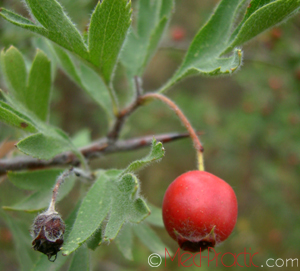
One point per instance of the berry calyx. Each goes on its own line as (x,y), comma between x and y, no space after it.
(199,210)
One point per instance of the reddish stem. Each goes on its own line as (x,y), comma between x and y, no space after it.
(197,144)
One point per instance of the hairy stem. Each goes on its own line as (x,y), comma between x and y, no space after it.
(59,182)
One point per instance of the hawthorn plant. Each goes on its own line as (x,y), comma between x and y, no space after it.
(113,207)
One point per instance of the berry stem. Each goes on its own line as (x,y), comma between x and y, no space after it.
(67,173)
(59,182)
(197,144)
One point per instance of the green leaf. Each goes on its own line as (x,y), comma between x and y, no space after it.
(14,118)
(37,93)
(66,63)
(22,22)
(156,153)
(35,180)
(107,31)
(74,44)
(43,146)
(40,199)
(124,241)
(141,44)
(44,45)
(260,16)
(126,206)
(116,194)
(59,27)
(164,9)
(150,239)
(82,138)
(110,194)
(95,87)
(32,92)
(14,68)
(154,41)
(156,216)
(81,261)
(93,209)
(203,55)
(43,264)
(26,256)
(96,239)
(87,79)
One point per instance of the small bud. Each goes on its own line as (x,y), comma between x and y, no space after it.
(47,232)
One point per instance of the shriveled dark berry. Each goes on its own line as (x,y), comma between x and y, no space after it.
(48,234)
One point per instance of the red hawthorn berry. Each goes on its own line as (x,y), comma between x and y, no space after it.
(47,232)
(199,210)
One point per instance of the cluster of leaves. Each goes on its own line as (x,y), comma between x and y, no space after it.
(90,60)
(112,201)
(100,48)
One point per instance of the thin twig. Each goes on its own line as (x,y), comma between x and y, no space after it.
(113,135)
(94,150)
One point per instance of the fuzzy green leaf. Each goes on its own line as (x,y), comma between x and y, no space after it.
(22,22)
(49,142)
(124,241)
(66,63)
(32,91)
(82,138)
(113,195)
(43,146)
(126,206)
(156,153)
(107,31)
(43,45)
(14,118)
(96,239)
(34,180)
(95,87)
(37,93)
(87,79)
(141,44)
(93,209)
(44,264)
(81,261)
(40,199)
(14,68)
(60,29)
(25,255)
(260,16)
(154,40)
(203,55)
(150,239)
(75,44)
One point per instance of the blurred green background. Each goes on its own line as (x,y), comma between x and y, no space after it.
(251,126)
